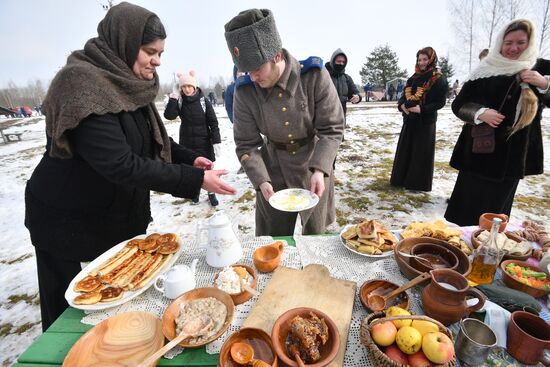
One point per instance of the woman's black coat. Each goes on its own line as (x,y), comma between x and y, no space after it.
(199,125)
(514,157)
(413,165)
(77,208)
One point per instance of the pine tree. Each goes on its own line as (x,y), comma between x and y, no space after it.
(446,68)
(381,67)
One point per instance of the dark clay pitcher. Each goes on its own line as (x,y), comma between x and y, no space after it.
(444,299)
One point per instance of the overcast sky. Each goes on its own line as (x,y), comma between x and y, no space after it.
(38,35)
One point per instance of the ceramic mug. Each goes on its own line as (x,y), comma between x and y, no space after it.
(474,342)
(528,337)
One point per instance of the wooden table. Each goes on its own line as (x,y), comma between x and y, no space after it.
(51,347)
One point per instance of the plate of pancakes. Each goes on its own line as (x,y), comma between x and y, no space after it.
(123,272)
(368,238)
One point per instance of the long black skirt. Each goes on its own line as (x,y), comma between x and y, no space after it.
(413,166)
(474,195)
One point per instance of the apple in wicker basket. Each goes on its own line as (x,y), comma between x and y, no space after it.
(395,354)
(438,347)
(384,333)
(418,359)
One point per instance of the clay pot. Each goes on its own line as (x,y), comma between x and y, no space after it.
(438,256)
(444,299)
(486,221)
(267,258)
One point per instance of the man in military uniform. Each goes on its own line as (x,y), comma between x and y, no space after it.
(294,105)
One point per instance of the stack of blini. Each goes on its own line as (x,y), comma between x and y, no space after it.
(139,261)
(369,237)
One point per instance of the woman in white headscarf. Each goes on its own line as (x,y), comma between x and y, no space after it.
(501,104)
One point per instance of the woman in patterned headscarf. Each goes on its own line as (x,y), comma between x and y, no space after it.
(425,93)
(501,106)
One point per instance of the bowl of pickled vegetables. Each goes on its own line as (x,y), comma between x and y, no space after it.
(526,278)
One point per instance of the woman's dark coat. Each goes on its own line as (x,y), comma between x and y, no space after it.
(413,165)
(79,207)
(199,125)
(514,157)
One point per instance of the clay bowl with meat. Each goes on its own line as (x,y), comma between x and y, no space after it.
(464,266)
(282,329)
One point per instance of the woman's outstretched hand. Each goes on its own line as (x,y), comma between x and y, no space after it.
(213,183)
(492,117)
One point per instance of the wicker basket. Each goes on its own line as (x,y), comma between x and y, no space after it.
(379,358)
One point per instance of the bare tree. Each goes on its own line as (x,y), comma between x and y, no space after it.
(462,15)
(515,9)
(541,13)
(495,12)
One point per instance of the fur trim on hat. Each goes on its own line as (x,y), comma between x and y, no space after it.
(187,78)
(253,45)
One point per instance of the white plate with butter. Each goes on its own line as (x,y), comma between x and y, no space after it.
(293,200)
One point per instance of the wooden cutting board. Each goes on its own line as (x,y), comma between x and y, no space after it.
(311,287)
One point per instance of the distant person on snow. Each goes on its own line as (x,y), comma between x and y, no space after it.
(345,87)
(199,126)
(212,97)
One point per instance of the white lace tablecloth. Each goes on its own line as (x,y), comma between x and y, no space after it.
(346,265)
(154,302)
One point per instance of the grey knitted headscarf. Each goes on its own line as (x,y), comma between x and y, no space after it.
(252,38)
(99,80)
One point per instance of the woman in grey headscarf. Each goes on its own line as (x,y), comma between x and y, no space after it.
(106,149)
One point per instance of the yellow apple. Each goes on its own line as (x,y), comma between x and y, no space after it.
(398,311)
(396,355)
(384,333)
(425,326)
(418,360)
(438,347)
(408,339)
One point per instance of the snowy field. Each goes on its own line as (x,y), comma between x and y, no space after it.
(362,170)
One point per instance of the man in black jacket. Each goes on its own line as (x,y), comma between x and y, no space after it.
(347,91)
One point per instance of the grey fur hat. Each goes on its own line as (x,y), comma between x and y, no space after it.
(252,38)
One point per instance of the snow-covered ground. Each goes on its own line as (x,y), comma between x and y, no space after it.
(362,190)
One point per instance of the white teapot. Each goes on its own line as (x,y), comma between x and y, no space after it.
(177,280)
(223,247)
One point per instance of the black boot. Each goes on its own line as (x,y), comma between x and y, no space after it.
(195,200)
(213,199)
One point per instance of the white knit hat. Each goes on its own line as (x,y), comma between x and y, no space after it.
(187,78)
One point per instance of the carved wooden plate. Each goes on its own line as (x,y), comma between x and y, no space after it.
(122,340)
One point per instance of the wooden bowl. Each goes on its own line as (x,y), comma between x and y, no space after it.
(126,339)
(486,221)
(438,256)
(464,267)
(243,296)
(281,329)
(507,256)
(382,287)
(515,284)
(268,257)
(173,311)
(258,339)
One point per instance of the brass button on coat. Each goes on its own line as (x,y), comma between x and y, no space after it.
(283,109)
(290,136)
(280,94)
(287,123)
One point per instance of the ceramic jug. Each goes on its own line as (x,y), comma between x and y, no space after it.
(178,280)
(223,247)
(444,299)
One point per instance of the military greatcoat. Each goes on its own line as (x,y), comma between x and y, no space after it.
(302,121)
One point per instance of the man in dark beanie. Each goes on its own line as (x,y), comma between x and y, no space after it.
(295,106)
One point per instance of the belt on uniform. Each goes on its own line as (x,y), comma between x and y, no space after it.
(291,147)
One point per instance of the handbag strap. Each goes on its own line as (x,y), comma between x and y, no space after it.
(507,93)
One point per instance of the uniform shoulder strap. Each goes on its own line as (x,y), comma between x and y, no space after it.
(243,80)
(311,63)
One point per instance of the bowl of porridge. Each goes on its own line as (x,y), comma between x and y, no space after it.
(210,302)
(232,280)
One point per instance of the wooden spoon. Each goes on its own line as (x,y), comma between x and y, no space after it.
(378,303)
(243,353)
(191,328)
(424,261)
(299,360)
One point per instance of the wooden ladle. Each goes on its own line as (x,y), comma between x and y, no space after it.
(299,360)
(424,261)
(378,303)
(191,328)
(243,353)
